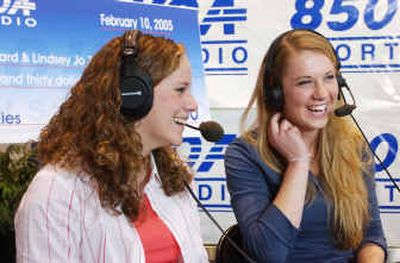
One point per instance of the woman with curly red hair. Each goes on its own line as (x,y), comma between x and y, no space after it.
(112,187)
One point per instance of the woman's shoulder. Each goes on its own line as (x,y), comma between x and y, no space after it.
(242,145)
(56,174)
(243,151)
(55,182)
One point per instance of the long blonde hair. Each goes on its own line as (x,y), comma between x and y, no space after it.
(340,144)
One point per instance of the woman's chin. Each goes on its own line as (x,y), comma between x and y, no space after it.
(176,141)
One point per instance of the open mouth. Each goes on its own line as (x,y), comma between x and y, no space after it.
(318,108)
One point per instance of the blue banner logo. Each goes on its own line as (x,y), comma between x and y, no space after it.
(18,13)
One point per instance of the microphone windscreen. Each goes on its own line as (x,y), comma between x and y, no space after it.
(344,110)
(211,131)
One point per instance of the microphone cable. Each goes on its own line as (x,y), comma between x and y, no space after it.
(392,180)
(375,154)
(233,243)
(212,131)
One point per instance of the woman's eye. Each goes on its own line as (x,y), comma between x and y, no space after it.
(180,90)
(330,77)
(304,82)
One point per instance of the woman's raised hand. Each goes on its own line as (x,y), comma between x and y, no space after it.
(286,138)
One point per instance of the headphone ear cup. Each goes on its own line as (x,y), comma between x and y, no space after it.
(135,84)
(274,98)
(136,93)
(136,87)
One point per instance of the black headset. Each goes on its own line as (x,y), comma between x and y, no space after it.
(136,87)
(273,94)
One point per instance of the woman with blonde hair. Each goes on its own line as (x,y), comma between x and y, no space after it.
(301,179)
(112,187)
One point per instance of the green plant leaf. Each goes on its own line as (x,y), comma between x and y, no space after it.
(16,171)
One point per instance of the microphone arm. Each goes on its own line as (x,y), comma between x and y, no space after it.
(188,125)
(210,130)
(344,85)
(345,109)
(375,155)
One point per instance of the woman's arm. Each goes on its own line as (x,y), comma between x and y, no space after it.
(287,140)
(269,206)
(373,247)
(291,194)
(371,253)
(267,231)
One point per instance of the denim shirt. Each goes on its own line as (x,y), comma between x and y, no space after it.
(267,232)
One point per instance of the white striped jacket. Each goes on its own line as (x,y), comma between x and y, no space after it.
(60,219)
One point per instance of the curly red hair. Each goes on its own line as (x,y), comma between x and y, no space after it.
(89,133)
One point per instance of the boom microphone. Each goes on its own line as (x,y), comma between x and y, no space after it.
(346,109)
(210,130)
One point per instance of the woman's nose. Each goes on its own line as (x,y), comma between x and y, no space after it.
(321,90)
(191,103)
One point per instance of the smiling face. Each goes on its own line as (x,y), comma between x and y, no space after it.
(310,89)
(172,100)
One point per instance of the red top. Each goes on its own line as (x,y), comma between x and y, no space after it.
(158,242)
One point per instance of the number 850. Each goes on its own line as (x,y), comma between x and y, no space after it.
(310,17)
